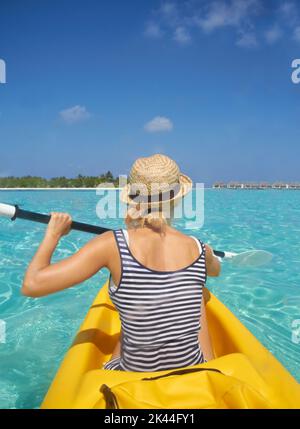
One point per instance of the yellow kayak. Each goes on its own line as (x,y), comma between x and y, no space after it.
(244,374)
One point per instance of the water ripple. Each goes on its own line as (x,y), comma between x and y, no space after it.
(266,300)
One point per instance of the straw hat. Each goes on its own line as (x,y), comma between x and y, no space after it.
(153,180)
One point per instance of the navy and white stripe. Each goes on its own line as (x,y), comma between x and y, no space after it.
(159,313)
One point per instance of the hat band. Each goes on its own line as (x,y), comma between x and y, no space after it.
(156,198)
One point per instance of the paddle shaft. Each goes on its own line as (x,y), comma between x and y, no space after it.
(43,218)
(14,212)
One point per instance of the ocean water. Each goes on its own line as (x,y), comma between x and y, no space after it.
(39,331)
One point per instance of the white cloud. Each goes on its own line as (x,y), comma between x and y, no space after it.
(179,20)
(273,34)
(74,114)
(158,124)
(165,20)
(182,36)
(153,30)
(288,9)
(222,14)
(289,12)
(168,8)
(296,35)
(169,13)
(247,40)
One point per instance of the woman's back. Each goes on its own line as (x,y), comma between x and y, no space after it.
(157,273)
(159,302)
(163,252)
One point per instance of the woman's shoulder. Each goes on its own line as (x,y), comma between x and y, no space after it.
(188,237)
(104,240)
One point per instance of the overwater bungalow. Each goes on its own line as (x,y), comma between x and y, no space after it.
(259,186)
(251,186)
(280,185)
(234,185)
(265,185)
(294,186)
(219,185)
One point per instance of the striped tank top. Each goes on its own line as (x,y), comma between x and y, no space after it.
(159,313)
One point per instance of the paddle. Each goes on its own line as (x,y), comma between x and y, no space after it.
(252,258)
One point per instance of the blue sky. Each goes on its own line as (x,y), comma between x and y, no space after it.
(92,85)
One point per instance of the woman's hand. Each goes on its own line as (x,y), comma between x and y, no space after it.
(213,266)
(59,225)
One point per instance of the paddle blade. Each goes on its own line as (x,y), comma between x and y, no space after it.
(252,258)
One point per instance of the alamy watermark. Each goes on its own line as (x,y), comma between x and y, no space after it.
(296,73)
(2,71)
(296,331)
(188,207)
(2,331)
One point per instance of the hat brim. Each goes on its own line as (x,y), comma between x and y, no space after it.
(185,182)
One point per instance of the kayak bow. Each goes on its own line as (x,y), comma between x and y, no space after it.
(237,354)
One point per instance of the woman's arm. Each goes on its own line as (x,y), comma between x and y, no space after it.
(213,265)
(43,278)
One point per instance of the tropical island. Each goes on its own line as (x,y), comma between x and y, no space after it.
(79,181)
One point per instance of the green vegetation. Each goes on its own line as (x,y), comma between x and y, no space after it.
(57,182)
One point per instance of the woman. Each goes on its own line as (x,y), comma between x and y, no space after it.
(157,273)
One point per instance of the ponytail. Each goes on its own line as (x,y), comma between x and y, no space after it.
(154,219)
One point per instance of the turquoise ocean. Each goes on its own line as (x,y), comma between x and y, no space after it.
(39,331)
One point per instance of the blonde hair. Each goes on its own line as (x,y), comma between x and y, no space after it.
(156,218)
